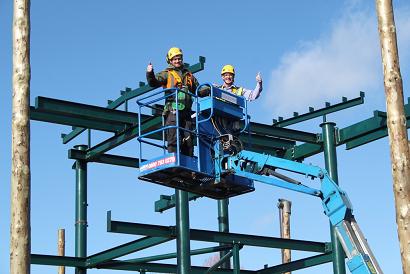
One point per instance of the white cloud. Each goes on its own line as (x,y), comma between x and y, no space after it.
(340,63)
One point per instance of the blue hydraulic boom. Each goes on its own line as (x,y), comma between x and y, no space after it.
(336,204)
(222,168)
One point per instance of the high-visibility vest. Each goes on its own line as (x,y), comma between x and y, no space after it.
(174,80)
(235,90)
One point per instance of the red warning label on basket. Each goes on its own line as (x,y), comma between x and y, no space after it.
(157,163)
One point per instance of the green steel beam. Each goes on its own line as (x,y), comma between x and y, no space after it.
(168,201)
(284,133)
(105,159)
(38,115)
(122,137)
(81,209)
(298,264)
(182,232)
(161,268)
(89,111)
(57,260)
(223,225)
(124,249)
(300,152)
(330,156)
(370,137)
(265,142)
(226,257)
(368,130)
(320,112)
(378,121)
(214,236)
(174,254)
(126,96)
(121,265)
(353,136)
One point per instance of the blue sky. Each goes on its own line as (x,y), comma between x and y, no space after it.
(308,52)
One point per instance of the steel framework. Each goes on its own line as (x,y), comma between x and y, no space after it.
(272,139)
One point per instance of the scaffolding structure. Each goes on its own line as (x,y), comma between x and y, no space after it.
(274,139)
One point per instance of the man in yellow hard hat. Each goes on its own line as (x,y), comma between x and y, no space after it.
(176,76)
(228,77)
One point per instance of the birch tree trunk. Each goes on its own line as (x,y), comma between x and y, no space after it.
(20,168)
(396,123)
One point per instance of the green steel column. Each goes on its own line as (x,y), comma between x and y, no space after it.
(81,209)
(329,148)
(182,230)
(236,263)
(223,223)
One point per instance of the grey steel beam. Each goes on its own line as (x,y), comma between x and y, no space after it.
(126,96)
(214,236)
(124,249)
(298,264)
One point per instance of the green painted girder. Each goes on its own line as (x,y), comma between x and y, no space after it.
(57,260)
(261,143)
(122,265)
(128,95)
(265,142)
(168,201)
(214,236)
(298,264)
(353,136)
(162,268)
(77,114)
(319,112)
(124,249)
(300,152)
(221,261)
(284,133)
(55,118)
(368,130)
(174,254)
(104,158)
(149,124)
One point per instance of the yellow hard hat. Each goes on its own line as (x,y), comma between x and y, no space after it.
(173,52)
(228,68)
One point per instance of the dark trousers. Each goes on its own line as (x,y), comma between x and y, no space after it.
(186,144)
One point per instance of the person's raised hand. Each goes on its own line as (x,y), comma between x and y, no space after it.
(150,67)
(258,77)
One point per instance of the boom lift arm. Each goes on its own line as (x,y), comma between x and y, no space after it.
(336,204)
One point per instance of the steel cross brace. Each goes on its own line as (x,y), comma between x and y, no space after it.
(124,249)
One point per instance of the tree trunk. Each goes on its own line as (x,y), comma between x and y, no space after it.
(396,123)
(20,168)
(284,218)
(61,248)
